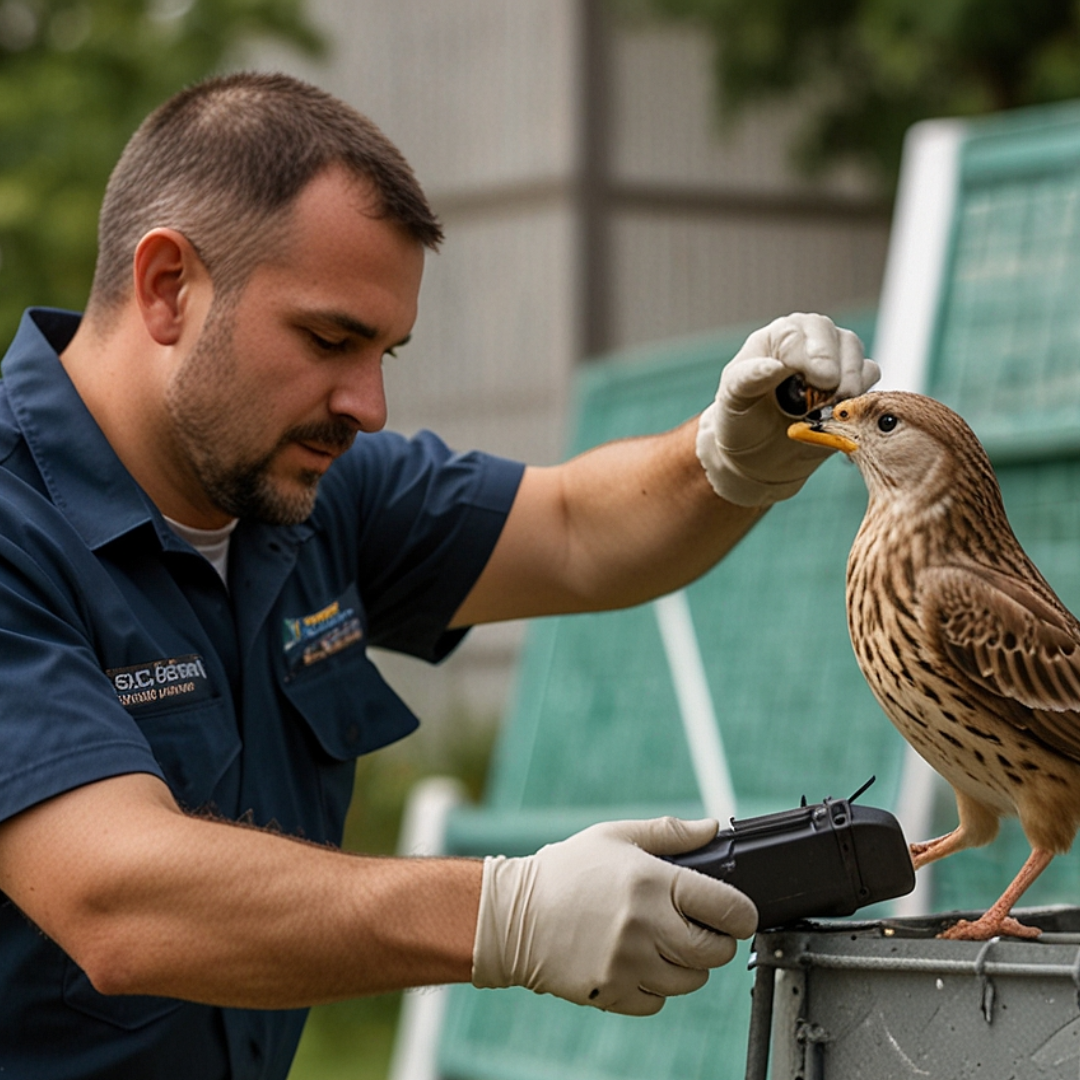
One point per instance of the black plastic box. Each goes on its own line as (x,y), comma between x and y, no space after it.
(827,859)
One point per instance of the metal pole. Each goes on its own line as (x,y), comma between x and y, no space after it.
(594,180)
(761,1013)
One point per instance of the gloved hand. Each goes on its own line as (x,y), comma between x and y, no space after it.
(599,920)
(742,436)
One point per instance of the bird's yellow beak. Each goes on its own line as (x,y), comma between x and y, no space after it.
(808,433)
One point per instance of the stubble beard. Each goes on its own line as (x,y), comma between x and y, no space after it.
(213,428)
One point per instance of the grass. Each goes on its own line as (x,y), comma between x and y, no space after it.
(353,1040)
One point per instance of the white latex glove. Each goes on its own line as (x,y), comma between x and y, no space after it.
(742,436)
(598,920)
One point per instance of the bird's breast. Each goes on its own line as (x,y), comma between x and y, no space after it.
(933,710)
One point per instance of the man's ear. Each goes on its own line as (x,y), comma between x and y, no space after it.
(166,271)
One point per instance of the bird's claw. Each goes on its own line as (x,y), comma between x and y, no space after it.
(983,929)
(922,851)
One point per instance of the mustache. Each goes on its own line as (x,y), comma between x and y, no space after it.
(334,435)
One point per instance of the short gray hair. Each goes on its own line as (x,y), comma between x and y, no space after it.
(223,161)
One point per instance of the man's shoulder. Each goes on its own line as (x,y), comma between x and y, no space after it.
(31,362)
(28,517)
(37,538)
(380,463)
(388,468)
(10,435)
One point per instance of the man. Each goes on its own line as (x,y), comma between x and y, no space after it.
(200,534)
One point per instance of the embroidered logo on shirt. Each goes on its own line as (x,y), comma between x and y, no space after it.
(311,638)
(177,679)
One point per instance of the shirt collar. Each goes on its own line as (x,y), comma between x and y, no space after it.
(86,480)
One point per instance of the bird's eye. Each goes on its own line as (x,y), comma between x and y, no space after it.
(886,422)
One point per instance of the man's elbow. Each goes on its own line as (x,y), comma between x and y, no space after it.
(115,957)
(112,971)
(97,918)
(89,868)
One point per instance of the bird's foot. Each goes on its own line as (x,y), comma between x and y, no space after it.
(985,928)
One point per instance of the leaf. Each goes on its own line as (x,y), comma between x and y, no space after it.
(76,79)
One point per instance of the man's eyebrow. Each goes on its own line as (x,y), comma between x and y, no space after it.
(348,324)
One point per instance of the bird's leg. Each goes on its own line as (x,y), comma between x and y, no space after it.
(927,851)
(978,826)
(997,920)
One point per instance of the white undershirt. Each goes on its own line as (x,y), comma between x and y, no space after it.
(212,544)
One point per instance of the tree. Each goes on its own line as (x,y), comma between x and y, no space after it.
(868,69)
(76,79)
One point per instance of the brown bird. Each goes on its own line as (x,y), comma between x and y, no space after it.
(964,644)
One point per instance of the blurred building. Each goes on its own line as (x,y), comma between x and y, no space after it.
(592,203)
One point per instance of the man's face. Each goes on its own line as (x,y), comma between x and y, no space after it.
(288,370)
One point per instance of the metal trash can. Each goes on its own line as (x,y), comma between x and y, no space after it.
(840,1000)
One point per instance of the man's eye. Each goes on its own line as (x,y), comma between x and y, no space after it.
(326,344)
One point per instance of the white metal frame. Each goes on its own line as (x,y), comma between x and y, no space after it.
(907,313)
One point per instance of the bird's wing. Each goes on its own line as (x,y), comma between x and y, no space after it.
(1012,643)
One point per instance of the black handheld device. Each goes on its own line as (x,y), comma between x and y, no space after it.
(827,859)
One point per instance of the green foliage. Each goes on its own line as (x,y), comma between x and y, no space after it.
(868,69)
(349,1040)
(76,78)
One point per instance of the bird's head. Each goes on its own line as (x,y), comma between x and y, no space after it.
(902,443)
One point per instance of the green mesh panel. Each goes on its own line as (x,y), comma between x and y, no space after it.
(796,713)
(596,720)
(1007,352)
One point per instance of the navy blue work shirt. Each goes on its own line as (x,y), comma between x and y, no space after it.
(122,651)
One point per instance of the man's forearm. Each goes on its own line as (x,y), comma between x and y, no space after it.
(615,526)
(659,528)
(158,902)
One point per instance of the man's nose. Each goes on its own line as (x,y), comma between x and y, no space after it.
(360,395)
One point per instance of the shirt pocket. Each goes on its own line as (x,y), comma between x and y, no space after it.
(195,745)
(348,706)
